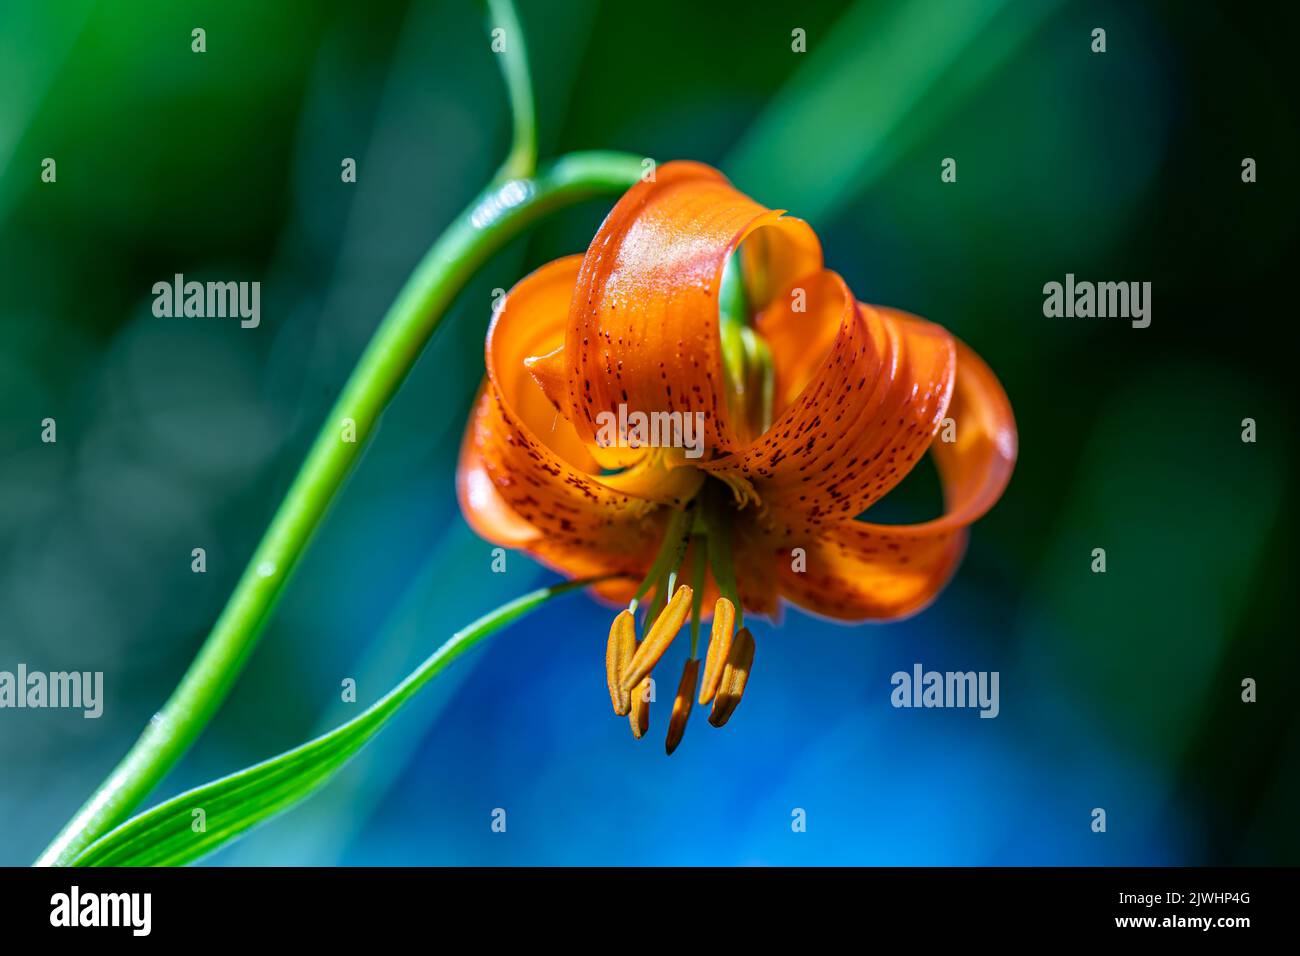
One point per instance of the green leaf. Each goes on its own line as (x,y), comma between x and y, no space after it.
(170,834)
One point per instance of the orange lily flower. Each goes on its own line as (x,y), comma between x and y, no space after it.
(810,407)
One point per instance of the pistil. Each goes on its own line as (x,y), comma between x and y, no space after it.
(746,357)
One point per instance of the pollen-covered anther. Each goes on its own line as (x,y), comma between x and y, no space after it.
(735,675)
(682,705)
(724,619)
(639,714)
(618,654)
(657,639)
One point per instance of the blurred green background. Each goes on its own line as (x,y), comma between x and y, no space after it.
(1119,690)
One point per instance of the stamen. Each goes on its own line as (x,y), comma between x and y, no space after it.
(724,572)
(735,675)
(661,634)
(652,610)
(682,705)
(639,714)
(742,490)
(724,619)
(671,550)
(618,654)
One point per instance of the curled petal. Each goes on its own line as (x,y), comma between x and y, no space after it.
(856,572)
(484,508)
(977,465)
(525,479)
(865,571)
(862,419)
(644,321)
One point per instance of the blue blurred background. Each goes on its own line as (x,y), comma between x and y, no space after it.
(1119,691)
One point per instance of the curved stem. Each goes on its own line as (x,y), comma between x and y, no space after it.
(496,216)
(513,52)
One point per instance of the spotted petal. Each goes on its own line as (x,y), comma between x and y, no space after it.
(525,478)
(644,325)
(865,571)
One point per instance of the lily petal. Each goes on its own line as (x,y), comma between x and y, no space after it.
(861,421)
(858,573)
(864,571)
(525,478)
(644,325)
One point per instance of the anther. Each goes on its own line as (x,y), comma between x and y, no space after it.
(734,677)
(724,619)
(682,705)
(660,635)
(618,654)
(639,714)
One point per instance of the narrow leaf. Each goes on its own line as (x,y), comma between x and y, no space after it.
(195,823)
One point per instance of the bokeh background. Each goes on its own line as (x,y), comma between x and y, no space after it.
(1119,691)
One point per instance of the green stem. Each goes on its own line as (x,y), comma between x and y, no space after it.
(497,215)
(522,160)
